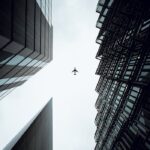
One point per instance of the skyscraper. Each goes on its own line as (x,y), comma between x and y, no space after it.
(26,35)
(37,134)
(123,103)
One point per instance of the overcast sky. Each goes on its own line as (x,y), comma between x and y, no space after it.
(73,96)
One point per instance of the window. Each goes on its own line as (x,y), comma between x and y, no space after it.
(17,59)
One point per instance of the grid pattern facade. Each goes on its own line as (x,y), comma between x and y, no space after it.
(123,103)
(25,40)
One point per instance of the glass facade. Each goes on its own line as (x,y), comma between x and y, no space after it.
(26,34)
(123,103)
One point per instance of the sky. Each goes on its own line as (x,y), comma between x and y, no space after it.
(73,96)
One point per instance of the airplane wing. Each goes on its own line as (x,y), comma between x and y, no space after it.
(75,70)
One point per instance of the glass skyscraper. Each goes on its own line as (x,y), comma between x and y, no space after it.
(123,103)
(26,35)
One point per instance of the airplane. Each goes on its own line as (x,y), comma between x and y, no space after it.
(75,71)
